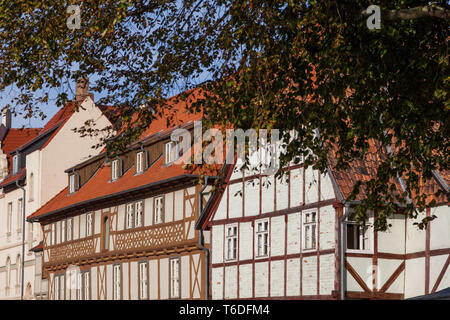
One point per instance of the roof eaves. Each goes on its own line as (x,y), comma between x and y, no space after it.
(79,205)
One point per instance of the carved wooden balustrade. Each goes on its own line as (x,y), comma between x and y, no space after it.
(151,237)
(72,250)
(157,236)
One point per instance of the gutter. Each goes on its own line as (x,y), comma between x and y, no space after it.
(201,239)
(23,239)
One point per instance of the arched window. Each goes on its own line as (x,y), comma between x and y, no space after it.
(31,187)
(8,276)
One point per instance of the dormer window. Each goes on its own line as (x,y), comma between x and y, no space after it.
(72,183)
(16,164)
(115,169)
(171,152)
(140,162)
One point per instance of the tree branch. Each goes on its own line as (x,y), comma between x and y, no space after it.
(413,13)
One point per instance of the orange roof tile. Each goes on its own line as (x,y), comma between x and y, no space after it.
(16,137)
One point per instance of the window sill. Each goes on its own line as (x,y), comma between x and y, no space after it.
(358,251)
(309,250)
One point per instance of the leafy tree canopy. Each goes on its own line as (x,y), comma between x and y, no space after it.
(313,66)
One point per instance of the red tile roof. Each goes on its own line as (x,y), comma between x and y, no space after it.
(11,178)
(99,185)
(15,138)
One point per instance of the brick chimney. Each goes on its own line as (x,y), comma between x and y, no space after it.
(82,89)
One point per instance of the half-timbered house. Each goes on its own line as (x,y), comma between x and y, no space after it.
(283,238)
(124,227)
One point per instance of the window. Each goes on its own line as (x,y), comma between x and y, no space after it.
(117,282)
(231,242)
(63,230)
(139,213)
(359,235)
(262,238)
(175,278)
(31,188)
(53,236)
(89,224)
(171,152)
(106,233)
(72,183)
(9,218)
(134,214)
(158,209)
(15,164)
(130,215)
(143,280)
(140,162)
(19,215)
(59,287)
(84,286)
(309,230)
(115,167)
(69,230)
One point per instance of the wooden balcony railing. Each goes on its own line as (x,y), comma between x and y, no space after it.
(150,237)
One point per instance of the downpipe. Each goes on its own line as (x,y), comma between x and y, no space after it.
(201,238)
(23,239)
(342,246)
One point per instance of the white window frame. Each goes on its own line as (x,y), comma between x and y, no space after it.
(72,183)
(130,215)
(69,229)
(309,230)
(262,238)
(139,214)
(140,162)
(15,164)
(115,169)
(175,277)
(117,282)
(89,224)
(231,242)
(158,210)
(171,152)
(53,234)
(143,280)
(369,225)
(63,231)
(86,279)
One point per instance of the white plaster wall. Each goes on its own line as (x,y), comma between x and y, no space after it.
(293,277)
(231,282)
(245,241)
(296,187)
(277,278)
(252,188)
(235,201)
(268,194)
(185,280)
(261,279)
(217,244)
(277,236)
(327,228)
(440,228)
(282,193)
(217,283)
(414,277)
(293,230)
(393,239)
(164,278)
(67,148)
(245,281)
(309,279)
(327,272)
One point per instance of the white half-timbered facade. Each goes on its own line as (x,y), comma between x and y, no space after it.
(280,239)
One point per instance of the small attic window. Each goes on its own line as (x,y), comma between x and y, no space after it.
(140,162)
(16,164)
(115,169)
(171,152)
(72,183)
